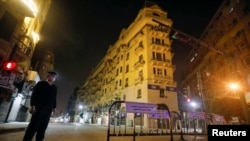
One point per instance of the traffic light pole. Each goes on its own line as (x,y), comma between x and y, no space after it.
(187,38)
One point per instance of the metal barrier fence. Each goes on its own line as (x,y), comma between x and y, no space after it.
(142,119)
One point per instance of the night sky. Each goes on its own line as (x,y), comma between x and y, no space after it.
(79,33)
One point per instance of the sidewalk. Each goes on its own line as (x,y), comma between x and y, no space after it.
(12,127)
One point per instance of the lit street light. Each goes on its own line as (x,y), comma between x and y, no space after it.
(81,113)
(194,104)
(80,107)
(236,87)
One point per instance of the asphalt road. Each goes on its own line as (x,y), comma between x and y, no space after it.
(85,132)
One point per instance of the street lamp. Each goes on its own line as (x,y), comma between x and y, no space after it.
(81,108)
(236,87)
(81,113)
(193,104)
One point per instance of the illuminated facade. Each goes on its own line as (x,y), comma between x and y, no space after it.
(21,22)
(137,67)
(209,71)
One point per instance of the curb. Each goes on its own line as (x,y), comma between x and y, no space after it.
(3,131)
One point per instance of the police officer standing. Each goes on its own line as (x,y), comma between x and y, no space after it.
(42,106)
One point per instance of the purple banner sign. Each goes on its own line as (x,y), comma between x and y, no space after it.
(218,118)
(135,107)
(196,115)
(159,115)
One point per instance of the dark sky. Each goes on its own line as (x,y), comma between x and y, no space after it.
(80,31)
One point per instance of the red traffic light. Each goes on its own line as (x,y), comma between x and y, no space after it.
(188,100)
(9,65)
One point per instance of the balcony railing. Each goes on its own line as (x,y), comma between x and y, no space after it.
(160,46)
(140,63)
(23,49)
(160,62)
(139,49)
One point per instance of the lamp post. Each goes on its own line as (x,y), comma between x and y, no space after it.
(80,107)
(81,113)
(236,87)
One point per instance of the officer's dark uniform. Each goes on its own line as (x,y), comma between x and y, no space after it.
(44,100)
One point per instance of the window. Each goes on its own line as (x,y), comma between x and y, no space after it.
(127,68)
(120,69)
(140,58)
(140,73)
(118,59)
(120,82)
(116,84)
(153,53)
(117,72)
(127,56)
(140,44)
(161,92)
(159,72)
(156,41)
(138,93)
(158,56)
(7,25)
(165,72)
(126,82)
(155,14)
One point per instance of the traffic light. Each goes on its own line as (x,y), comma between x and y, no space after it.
(9,65)
(188,100)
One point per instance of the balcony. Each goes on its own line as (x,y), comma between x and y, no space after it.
(161,62)
(138,49)
(138,80)
(22,49)
(28,9)
(139,63)
(160,47)
(161,79)
(159,31)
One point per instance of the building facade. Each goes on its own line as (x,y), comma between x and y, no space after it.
(137,67)
(221,56)
(21,22)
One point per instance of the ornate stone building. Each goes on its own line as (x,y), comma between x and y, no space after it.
(137,67)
